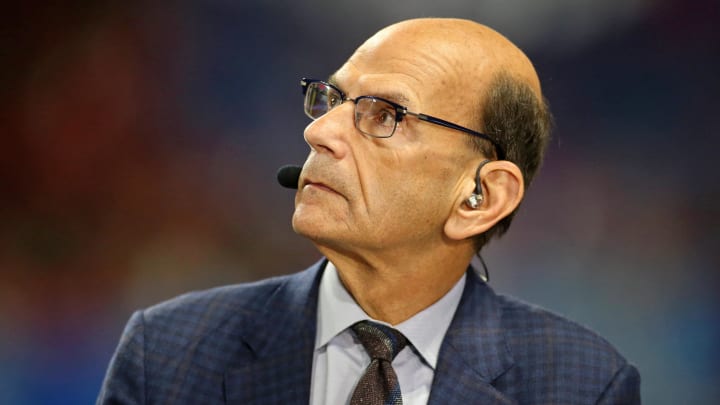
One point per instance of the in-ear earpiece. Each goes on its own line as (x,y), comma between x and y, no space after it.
(474,201)
(476,198)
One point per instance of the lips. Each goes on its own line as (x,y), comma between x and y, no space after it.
(319,185)
(308,183)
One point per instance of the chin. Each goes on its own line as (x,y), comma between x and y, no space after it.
(317,219)
(308,226)
(318,230)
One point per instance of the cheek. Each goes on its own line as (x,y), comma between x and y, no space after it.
(411,198)
(404,176)
(382,188)
(433,186)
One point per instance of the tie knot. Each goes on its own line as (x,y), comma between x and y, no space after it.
(379,341)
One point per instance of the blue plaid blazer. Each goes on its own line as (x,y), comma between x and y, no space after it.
(253,344)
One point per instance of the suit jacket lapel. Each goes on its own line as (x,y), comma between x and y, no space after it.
(282,341)
(474,352)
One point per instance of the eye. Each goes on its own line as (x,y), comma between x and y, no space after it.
(334,100)
(385,117)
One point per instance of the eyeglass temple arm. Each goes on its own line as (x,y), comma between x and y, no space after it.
(448,124)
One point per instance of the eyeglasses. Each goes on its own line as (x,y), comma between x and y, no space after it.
(374,116)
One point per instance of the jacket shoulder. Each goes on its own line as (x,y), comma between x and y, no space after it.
(556,355)
(179,350)
(212,312)
(529,327)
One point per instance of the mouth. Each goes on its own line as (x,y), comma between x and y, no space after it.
(318,185)
(309,184)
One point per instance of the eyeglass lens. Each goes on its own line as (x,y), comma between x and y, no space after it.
(373,116)
(319,99)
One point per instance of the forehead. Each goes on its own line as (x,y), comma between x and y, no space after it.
(411,71)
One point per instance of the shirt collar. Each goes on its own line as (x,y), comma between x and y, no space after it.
(337,310)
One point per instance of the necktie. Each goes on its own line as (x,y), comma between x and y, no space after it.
(379,385)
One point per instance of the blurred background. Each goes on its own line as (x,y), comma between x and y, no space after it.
(139,143)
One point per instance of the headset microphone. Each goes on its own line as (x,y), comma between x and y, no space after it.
(289,175)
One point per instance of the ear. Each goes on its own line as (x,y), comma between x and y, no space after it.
(503,189)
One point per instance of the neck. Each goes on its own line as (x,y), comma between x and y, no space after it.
(393,289)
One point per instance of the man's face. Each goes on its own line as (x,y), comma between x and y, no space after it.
(359,193)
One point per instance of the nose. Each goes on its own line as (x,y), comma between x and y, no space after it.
(330,133)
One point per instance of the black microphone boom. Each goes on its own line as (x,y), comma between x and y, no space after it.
(289,175)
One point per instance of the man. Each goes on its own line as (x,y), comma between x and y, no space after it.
(421,148)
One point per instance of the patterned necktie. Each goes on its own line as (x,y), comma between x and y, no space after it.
(379,385)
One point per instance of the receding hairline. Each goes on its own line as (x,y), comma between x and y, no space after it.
(477,39)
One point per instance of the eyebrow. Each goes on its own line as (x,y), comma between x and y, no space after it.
(392,96)
(332,80)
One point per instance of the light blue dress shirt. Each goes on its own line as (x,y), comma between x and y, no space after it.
(340,360)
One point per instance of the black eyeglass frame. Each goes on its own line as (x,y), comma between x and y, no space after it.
(400,112)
